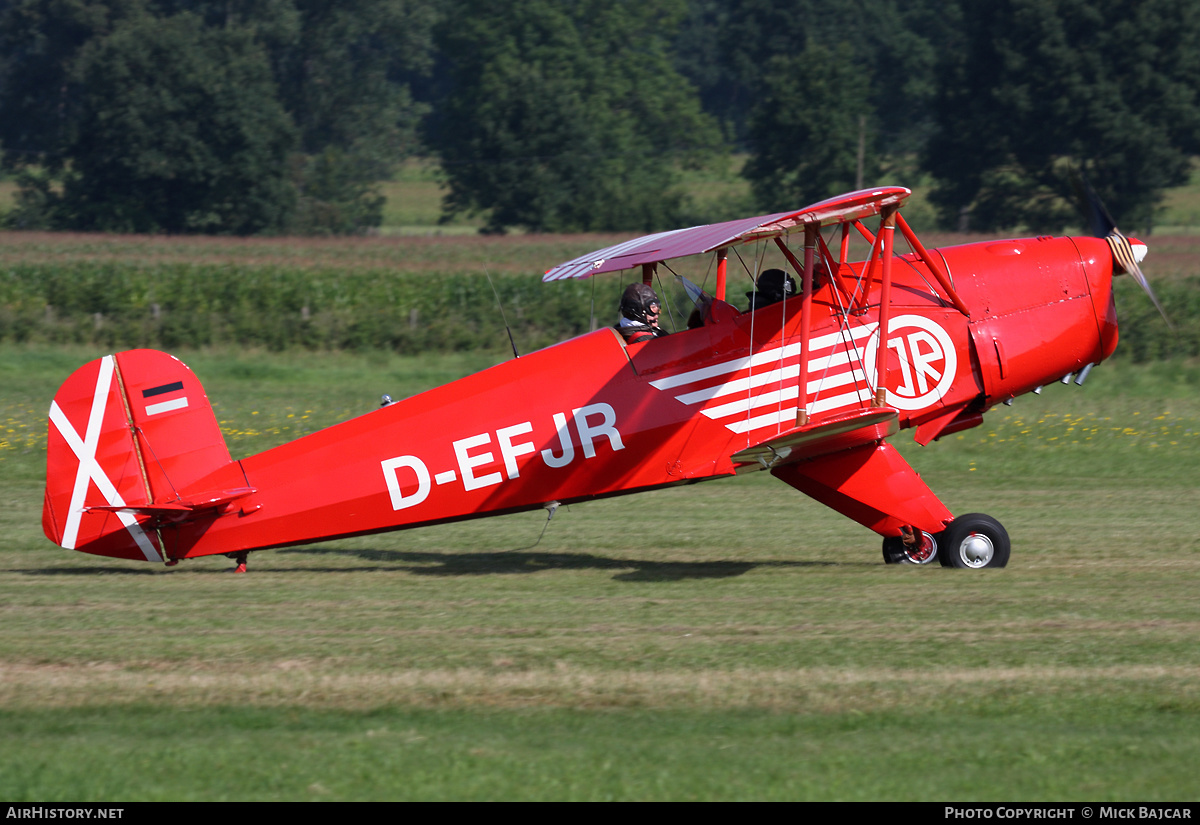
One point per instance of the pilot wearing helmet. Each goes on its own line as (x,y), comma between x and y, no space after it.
(774,285)
(639,314)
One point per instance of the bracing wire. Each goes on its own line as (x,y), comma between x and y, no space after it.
(753,316)
(751,272)
(666,300)
(913,267)
(667,267)
(782,350)
(750,374)
(503,317)
(847,338)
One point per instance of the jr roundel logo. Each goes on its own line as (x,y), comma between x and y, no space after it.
(924,357)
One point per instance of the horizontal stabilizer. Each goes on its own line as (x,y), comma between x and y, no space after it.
(840,432)
(177,510)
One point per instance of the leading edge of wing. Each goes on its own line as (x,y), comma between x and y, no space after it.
(695,240)
(838,432)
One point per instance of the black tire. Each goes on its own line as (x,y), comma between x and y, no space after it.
(894,551)
(974,542)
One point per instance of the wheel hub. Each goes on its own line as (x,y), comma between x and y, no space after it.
(923,549)
(976,550)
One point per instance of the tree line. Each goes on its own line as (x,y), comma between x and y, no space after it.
(282,116)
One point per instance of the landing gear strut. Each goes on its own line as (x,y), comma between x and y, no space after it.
(240,558)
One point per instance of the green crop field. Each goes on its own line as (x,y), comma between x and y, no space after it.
(731,640)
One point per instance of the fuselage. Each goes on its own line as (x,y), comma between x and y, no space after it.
(594,417)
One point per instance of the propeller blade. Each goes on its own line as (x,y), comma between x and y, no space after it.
(1100,222)
(1103,226)
(1123,255)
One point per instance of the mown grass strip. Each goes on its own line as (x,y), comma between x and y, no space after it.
(1128,748)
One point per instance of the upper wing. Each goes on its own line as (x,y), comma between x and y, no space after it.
(695,240)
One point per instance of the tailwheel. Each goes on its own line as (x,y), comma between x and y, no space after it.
(240,558)
(975,541)
(922,550)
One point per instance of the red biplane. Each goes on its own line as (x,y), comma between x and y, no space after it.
(806,389)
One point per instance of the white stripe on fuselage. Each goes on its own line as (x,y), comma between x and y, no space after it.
(829,368)
(788,414)
(764,357)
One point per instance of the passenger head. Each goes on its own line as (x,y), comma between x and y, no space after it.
(775,285)
(640,304)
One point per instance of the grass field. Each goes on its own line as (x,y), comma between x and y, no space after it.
(731,640)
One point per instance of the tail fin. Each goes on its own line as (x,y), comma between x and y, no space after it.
(133,444)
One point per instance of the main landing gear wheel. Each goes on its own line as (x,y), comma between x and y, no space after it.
(974,541)
(923,551)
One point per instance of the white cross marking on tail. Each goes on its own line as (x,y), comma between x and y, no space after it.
(90,470)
